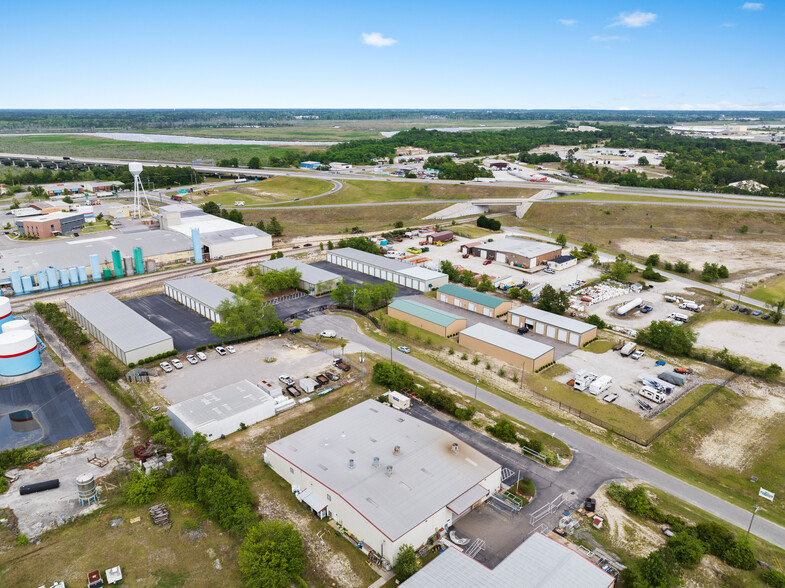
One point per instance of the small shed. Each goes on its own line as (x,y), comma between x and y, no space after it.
(562,262)
(440,237)
(308,385)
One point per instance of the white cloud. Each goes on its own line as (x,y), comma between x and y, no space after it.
(607,39)
(634,20)
(568,22)
(752,6)
(377,40)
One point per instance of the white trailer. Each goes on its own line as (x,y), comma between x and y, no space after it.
(600,385)
(652,394)
(628,349)
(583,380)
(308,385)
(399,401)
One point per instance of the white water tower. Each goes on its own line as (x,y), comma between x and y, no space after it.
(136,169)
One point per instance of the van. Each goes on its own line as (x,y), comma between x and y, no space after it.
(600,385)
(652,394)
(583,380)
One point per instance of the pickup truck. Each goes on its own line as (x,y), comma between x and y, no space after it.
(341,365)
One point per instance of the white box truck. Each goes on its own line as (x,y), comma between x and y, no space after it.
(600,385)
(652,394)
(583,380)
(628,349)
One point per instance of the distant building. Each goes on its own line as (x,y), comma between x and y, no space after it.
(337,165)
(517,252)
(499,165)
(440,237)
(552,325)
(562,262)
(390,479)
(51,225)
(310,164)
(539,561)
(199,295)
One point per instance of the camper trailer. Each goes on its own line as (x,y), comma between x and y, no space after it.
(583,380)
(652,394)
(628,349)
(600,385)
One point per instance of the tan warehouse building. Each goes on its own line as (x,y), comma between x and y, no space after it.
(474,301)
(552,325)
(425,317)
(510,348)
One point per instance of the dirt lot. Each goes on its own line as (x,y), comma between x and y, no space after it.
(624,371)
(762,343)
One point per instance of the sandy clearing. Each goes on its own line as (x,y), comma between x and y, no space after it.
(763,343)
(736,254)
(624,531)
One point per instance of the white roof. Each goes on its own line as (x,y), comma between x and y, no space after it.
(194,217)
(392,265)
(201,290)
(308,273)
(426,477)
(522,247)
(507,340)
(550,318)
(422,273)
(539,562)
(123,326)
(220,404)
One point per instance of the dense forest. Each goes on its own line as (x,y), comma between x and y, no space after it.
(94,120)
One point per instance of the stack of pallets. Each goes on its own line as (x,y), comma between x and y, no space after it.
(159,514)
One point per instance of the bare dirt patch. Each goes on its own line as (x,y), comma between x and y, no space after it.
(736,254)
(738,444)
(624,532)
(762,343)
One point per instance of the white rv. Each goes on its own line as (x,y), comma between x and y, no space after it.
(583,380)
(652,394)
(600,385)
(628,349)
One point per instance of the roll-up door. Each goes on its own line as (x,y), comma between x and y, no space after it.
(472,307)
(540,329)
(574,339)
(551,331)
(516,320)
(487,312)
(563,335)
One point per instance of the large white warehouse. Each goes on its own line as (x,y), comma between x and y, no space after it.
(398,272)
(222,411)
(389,478)
(125,333)
(199,295)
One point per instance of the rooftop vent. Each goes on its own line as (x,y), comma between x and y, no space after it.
(397,450)
(376,462)
(389,471)
(454,448)
(351,464)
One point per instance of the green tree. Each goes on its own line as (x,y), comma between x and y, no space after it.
(468,279)
(448,268)
(620,268)
(226,499)
(773,578)
(681,267)
(667,337)
(561,239)
(68,200)
(485,284)
(398,224)
(273,282)
(552,301)
(255,163)
(488,223)
(710,272)
(274,227)
(526,295)
(514,293)
(740,555)
(271,555)
(39,193)
(211,207)
(643,160)
(776,316)
(588,249)
(504,430)
(722,272)
(743,229)
(597,321)
(407,563)
(653,260)
(260,225)
(360,243)
(687,548)
(106,369)
(141,489)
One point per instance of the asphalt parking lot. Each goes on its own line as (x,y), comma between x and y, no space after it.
(54,406)
(187,328)
(248,363)
(358,278)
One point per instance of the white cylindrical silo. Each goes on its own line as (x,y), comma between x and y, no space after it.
(5,310)
(18,353)
(18,324)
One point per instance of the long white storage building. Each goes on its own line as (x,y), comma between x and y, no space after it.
(313,280)
(222,411)
(126,334)
(552,325)
(389,478)
(199,295)
(398,272)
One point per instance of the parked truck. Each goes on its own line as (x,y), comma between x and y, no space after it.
(628,349)
(652,394)
(583,380)
(600,385)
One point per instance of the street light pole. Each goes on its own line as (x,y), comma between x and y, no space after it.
(391,357)
(476,381)
(362,370)
(752,519)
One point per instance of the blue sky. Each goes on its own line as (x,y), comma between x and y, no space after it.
(693,54)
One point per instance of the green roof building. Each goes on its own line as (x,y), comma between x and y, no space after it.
(433,320)
(479,302)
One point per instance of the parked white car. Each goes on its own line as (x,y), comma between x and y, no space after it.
(191,359)
(177,363)
(230,349)
(328,334)
(220,350)
(166,367)
(201,356)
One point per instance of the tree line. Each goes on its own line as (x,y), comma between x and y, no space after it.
(161,177)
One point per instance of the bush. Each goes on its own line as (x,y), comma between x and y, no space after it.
(532,444)
(595,320)
(716,538)
(667,337)
(271,555)
(141,489)
(773,578)
(740,555)
(687,548)
(21,539)
(504,430)
(681,267)
(68,329)
(395,377)
(489,223)
(407,563)
(105,368)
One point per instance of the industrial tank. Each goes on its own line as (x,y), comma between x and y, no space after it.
(85,487)
(18,353)
(19,324)
(5,310)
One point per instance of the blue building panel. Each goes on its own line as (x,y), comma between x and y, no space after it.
(23,363)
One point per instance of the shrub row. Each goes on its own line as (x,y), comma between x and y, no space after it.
(545,367)
(171,353)
(68,329)
(506,431)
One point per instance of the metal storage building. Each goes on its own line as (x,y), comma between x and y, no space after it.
(398,272)
(474,301)
(511,348)
(127,335)
(439,237)
(313,280)
(517,252)
(562,262)
(426,317)
(222,411)
(539,561)
(552,325)
(389,478)
(199,295)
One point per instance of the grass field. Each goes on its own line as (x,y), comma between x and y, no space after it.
(602,224)
(274,189)
(622,198)
(361,191)
(472,231)
(771,294)
(78,146)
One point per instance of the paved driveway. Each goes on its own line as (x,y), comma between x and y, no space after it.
(187,328)
(358,278)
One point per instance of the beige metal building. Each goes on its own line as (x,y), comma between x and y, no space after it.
(426,317)
(199,295)
(521,253)
(552,325)
(510,348)
(474,301)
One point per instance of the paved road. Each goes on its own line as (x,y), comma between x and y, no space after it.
(592,455)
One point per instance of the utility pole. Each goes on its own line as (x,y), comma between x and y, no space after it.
(391,351)
(362,370)
(476,381)
(757,507)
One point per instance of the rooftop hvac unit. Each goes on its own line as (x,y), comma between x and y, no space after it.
(376,462)
(389,471)
(351,464)
(397,450)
